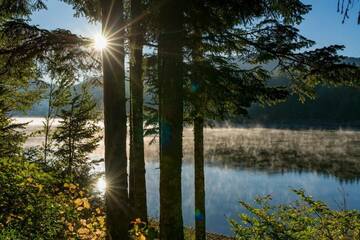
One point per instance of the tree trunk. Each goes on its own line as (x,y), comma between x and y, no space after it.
(199,100)
(137,163)
(131,160)
(117,206)
(47,122)
(200,220)
(170,118)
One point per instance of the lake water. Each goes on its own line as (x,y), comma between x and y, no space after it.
(242,164)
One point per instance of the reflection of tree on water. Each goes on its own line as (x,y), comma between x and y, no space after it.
(334,153)
(285,161)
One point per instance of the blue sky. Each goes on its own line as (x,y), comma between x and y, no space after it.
(322,24)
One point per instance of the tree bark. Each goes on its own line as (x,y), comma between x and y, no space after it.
(116,197)
(170,118)
(137,163)
(200,217)
(199,101)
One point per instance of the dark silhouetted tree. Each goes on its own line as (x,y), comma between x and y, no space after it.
(137,184)
(170,70)
(117,202)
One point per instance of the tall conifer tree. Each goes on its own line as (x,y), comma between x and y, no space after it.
(170,74)
(117,204)
(137,186)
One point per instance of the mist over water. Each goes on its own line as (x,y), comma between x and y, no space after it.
(242,164)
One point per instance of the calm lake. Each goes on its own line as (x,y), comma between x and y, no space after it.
(243,163)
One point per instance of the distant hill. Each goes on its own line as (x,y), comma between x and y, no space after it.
(332,106)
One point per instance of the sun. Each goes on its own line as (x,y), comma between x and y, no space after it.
(100,42)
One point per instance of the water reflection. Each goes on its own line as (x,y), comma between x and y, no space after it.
(226,186)
(244,163)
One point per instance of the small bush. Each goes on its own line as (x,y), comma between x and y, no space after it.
(303,219)
(143,231)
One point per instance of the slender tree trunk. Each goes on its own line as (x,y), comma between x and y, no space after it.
(171,118)
(200,218)
(48,121)
(137,163)
(46,140)
(117,206)
(71,149)
(131,159)
(199,100)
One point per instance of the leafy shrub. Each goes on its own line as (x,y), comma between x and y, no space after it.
(36,205)
(301,220)
(143,231)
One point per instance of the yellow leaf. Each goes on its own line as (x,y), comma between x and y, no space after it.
(83,222)
(98,211)
(78,202)
(86,203)
(142,237)
(83,231)
(101,220)
(89,226)
(70,227)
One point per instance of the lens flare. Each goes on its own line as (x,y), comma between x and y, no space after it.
(101,185)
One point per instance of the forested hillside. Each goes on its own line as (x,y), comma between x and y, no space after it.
(332,107)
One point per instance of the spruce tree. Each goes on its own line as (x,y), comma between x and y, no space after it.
(57,94)
(115,119)
(76,136)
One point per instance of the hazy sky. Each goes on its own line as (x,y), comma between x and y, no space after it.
(322,24)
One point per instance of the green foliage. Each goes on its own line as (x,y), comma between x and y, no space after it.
(87,8)
(17,93)
(11,138)
(58,53)
(57,97)
(301,220)
(37,205)
(344,7)
(77,135)
(19,8)
(25,204)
